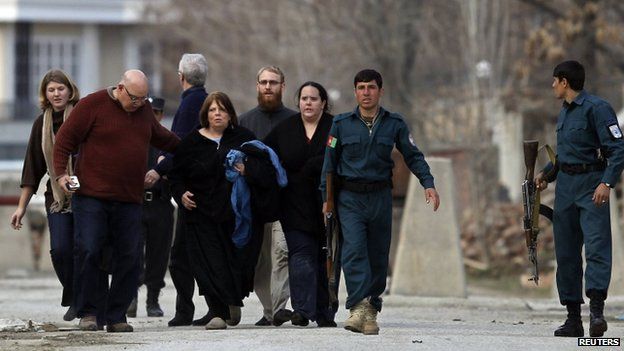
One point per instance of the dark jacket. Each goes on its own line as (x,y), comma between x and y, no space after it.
(186,120)
(198,168)
(261,122)
(35,166)
(300,200)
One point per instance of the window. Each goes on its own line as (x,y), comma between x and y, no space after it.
(149,63)
(53,52)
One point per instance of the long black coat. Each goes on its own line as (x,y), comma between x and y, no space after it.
(198,168)
(300,200)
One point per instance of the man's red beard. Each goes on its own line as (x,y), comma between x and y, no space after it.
(270,102)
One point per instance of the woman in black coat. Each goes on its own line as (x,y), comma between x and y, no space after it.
(299,141)
(199,186)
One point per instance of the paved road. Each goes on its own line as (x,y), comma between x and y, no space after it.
(407,323)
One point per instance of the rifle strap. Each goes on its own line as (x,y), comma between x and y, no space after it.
(551,154)
(536,208)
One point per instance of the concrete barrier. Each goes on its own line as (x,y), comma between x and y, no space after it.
(617,272)
(429,259)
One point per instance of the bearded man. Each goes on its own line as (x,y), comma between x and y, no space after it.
(271,276)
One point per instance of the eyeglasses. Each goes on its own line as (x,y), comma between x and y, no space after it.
(269,82)
(135,99)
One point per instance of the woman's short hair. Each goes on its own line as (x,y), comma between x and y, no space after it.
(57,76)
(321,90)
(224,102)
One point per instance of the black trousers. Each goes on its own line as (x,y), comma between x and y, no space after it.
(307,274)
(157,234)
(182,272)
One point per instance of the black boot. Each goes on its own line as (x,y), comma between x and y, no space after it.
(573,326)
(282,316)
(204,320)
(70,315)
(297,319)
(151,305)
(597,322)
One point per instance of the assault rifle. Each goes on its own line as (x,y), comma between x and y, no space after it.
(531,202)
(332,240)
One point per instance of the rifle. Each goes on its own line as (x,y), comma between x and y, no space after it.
(531,203)
(332,240)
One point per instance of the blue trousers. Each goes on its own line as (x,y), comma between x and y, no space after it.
(366,222)
(307,277)
(577,222)
(61,227)
(99,223)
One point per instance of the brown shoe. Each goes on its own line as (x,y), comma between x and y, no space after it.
(88,323)
(119,328)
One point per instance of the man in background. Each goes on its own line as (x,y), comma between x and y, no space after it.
(157,232)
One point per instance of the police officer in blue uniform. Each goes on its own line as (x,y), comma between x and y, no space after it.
(590,158)
(358,152)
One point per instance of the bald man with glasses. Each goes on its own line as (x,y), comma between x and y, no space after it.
(113,129)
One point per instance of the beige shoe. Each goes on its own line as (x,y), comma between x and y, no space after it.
(355,322)
(370,324)
(88,323)
(216,323)
(235,316)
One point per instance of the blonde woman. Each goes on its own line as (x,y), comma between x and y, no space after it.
(57,96)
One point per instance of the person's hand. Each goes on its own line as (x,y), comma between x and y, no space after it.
(540,182)
(432,195)
(151,177)
(601,195)
(187,202)
(63,181)
(240,167)
(16,218)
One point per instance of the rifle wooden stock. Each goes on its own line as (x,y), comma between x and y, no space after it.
(530,158)
(329,182)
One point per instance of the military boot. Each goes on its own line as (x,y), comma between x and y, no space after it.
(370,322)
(573,326)
(355,322)
(597,322)
(151,304)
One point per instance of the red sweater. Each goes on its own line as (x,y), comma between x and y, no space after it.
(113,147)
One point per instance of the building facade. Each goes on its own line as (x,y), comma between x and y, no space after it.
(92,40)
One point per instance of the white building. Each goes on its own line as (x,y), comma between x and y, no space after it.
(92,40)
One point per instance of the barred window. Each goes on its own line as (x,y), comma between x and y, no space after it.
(53,52)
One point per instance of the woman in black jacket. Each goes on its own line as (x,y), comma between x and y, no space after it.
(299,141)
(199,186)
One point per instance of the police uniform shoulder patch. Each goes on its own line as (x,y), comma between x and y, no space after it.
(615,131)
